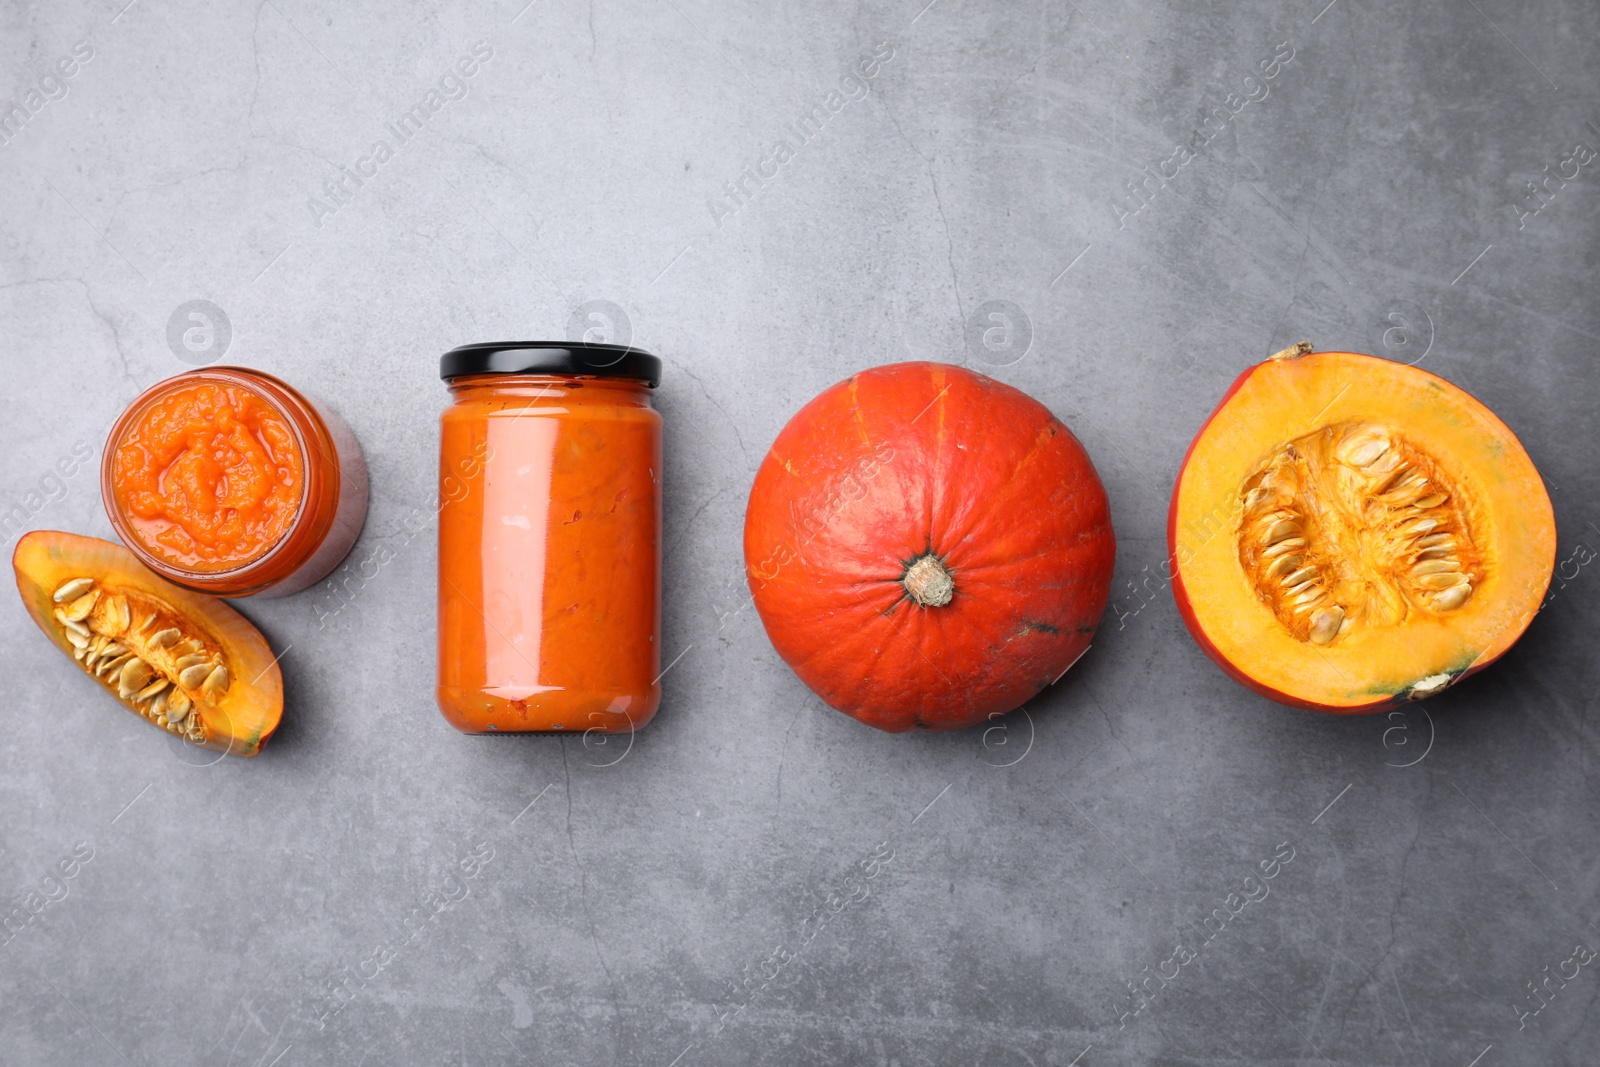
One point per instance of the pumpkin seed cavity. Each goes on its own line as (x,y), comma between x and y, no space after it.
(137,647)
(1352,525)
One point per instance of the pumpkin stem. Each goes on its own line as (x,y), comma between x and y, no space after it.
(1294,351)
(928,582)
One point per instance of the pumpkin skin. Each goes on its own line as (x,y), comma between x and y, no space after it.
(927,547)
(1493,510)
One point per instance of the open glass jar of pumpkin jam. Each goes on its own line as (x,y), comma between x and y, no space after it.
(549,539)
(230,482)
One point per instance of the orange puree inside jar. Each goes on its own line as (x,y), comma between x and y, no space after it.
(550,555)
(209,476)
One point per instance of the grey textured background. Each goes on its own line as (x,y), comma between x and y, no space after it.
(651,890)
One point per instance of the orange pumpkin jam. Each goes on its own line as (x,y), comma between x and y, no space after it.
(209,477)
(550,539)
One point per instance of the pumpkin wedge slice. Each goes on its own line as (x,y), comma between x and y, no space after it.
(1347,533)
(184,661)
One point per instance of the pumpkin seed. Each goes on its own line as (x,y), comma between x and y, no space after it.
(73,589)
(71,625)
(1282,565)
(163,638)
(1281,530)
(177,715)
(185,662)
(116,616)
(1441,581)
(79,609)
(1413,480)
(1452,598)
(1434,566)
(195,676)
(1326,624)
(157,706)
(1432,500)
(1388,463)
(217,683)
(1300,575)
(178,702)
(1281,547)
(1363,453)
(151,690)
(134,676)
(1395,477)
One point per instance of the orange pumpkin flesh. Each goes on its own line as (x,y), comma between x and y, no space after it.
(927,547)
(182,660)
(1347,533)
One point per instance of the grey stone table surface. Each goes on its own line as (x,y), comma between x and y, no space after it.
(1149,196)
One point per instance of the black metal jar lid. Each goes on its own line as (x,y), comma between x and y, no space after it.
(552,357)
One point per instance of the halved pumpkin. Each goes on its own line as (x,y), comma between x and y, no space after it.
(1348,532)
(182,660)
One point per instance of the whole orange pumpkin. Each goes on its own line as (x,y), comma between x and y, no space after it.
(927,547)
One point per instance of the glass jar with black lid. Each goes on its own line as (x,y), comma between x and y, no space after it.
(550,538)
